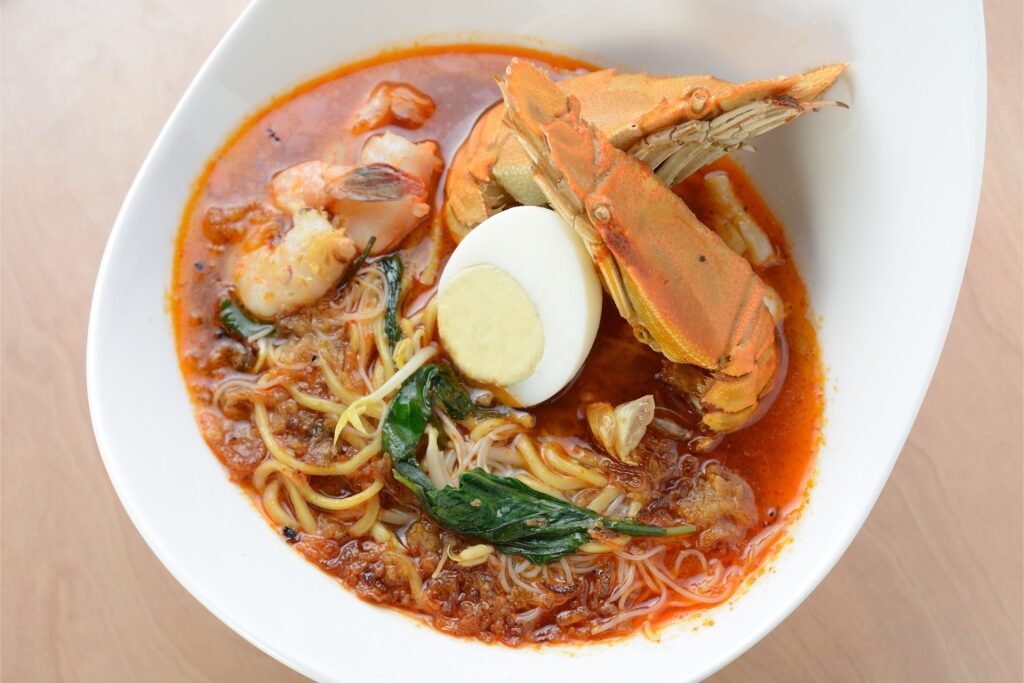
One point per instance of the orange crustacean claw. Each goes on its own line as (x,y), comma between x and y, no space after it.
(674,124)
(682,289)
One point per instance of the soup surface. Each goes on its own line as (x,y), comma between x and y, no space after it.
(269,407)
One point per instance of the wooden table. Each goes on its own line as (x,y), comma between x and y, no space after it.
(930,590)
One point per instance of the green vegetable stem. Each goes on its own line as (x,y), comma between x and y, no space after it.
(354,267)
(392,268)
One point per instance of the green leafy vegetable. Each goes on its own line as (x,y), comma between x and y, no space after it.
(354,267)
(502,511)
(409,413)
(235,319)
(392,269)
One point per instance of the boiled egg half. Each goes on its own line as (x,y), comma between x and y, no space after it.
(519,303)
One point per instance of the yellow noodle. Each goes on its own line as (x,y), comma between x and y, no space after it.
(605,498)
(619,508)
(552,453)
(429,319)
(599,548)
(538,485)
(484,426)
(533,462)
(306,492)
(382,534)
(368,518)
(397,517)
(302,511)
(263,472)
(329,502)
(360,458)
(281,454)
(261,359)
(373,410)
(521,418)
(524,419)
(383,348)
(314,402)
(504,455)
(273,508)
(340,391)
(354,438)
(349,435)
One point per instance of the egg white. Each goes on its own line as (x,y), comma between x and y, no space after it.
(550,262)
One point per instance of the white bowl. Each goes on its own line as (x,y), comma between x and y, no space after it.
(878,201)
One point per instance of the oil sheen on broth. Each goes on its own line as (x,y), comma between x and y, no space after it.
(741,494)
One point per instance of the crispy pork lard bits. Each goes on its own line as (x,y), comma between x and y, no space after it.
(721,505)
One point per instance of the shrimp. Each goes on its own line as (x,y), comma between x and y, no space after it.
(383,196)
(397,103)
(274,279)
(391,221)
(402,171)
(304,185)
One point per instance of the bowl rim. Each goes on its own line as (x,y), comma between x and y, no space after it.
(818,573)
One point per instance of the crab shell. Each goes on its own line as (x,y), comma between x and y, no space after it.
(674,124)
(682,289)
